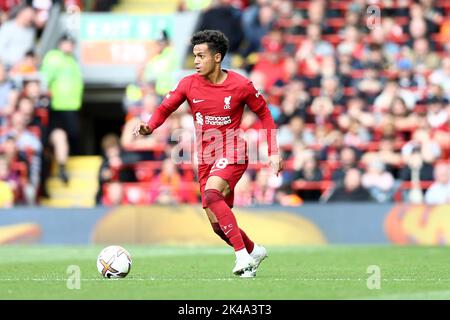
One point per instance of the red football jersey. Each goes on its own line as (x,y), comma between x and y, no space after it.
(217,112)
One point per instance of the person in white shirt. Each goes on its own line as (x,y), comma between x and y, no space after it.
(17,36)
(439,191)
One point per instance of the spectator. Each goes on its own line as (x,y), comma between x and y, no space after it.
(416,168)
(113,194)
(272,64)
(114,164)
(14,157)
(32,90)
(29,144)
(356,111)
(257,21)
(295,131)
(28,66)
(294,102)
(309,172)
(432,13)
(422,143)
(265,187)
(387,154)
(25,139)
(346,64)
(386,39)
(437,115)
(8,96)
(352,42)
(161,68)
(357,135)
(439,191)
(17,37)
(378,181)
(351,190)
(142,145)
(311,50)
(167,186)
(65,82)
(407,78)
(6,8)
(322,109)
(226,18)
(317,11)
(420,55)
(391,91)
(348,160)
(331,88)
(354,15)
(417,28)
(244,189)
(42,9)
(288,12)
(403,118)
(441,77)
(9,176)
(332,145)
(371,84)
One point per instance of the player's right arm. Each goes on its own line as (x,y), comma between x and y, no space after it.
(170,103)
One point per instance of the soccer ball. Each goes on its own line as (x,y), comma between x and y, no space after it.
(114,262)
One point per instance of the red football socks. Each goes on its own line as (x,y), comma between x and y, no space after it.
(227,221)
(249,244)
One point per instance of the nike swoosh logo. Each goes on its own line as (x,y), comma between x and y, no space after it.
(226,233)
(197,101)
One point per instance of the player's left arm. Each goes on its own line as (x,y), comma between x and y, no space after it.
(258,105)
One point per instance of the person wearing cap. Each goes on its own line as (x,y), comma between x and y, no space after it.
(62,74)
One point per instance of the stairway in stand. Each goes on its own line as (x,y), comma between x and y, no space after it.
(82,187)
(146,6)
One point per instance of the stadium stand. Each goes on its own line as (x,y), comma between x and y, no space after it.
(347,89)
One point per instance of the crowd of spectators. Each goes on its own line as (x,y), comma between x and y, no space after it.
(32,91)
(361,101)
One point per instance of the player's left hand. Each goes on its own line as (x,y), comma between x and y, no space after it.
(276,163)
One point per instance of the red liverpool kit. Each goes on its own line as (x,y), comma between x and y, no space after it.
(217,112)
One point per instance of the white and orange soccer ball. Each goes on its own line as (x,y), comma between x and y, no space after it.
(114,262)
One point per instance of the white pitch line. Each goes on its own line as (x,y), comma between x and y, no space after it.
(225,279)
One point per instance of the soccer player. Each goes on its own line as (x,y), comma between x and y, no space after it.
(217,98)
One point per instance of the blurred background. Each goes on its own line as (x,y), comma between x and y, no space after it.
(360,91)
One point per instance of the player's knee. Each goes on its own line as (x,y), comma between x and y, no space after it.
(213,195)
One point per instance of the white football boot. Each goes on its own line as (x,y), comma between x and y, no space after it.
(259,253)
(244,265)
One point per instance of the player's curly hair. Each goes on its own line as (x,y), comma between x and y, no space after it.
(217,42)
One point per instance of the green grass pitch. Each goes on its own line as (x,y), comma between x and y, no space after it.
(328,272)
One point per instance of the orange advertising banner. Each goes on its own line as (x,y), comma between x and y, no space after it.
(119,52)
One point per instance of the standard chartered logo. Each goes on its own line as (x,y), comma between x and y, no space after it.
(212,120)
(217,121)
(199,118)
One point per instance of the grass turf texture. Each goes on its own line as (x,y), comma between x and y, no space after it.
(329,272)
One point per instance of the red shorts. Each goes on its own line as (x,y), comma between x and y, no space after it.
(231,173)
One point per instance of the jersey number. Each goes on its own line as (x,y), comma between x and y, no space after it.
(219,164)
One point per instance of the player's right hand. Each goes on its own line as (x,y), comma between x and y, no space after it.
(142,129)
